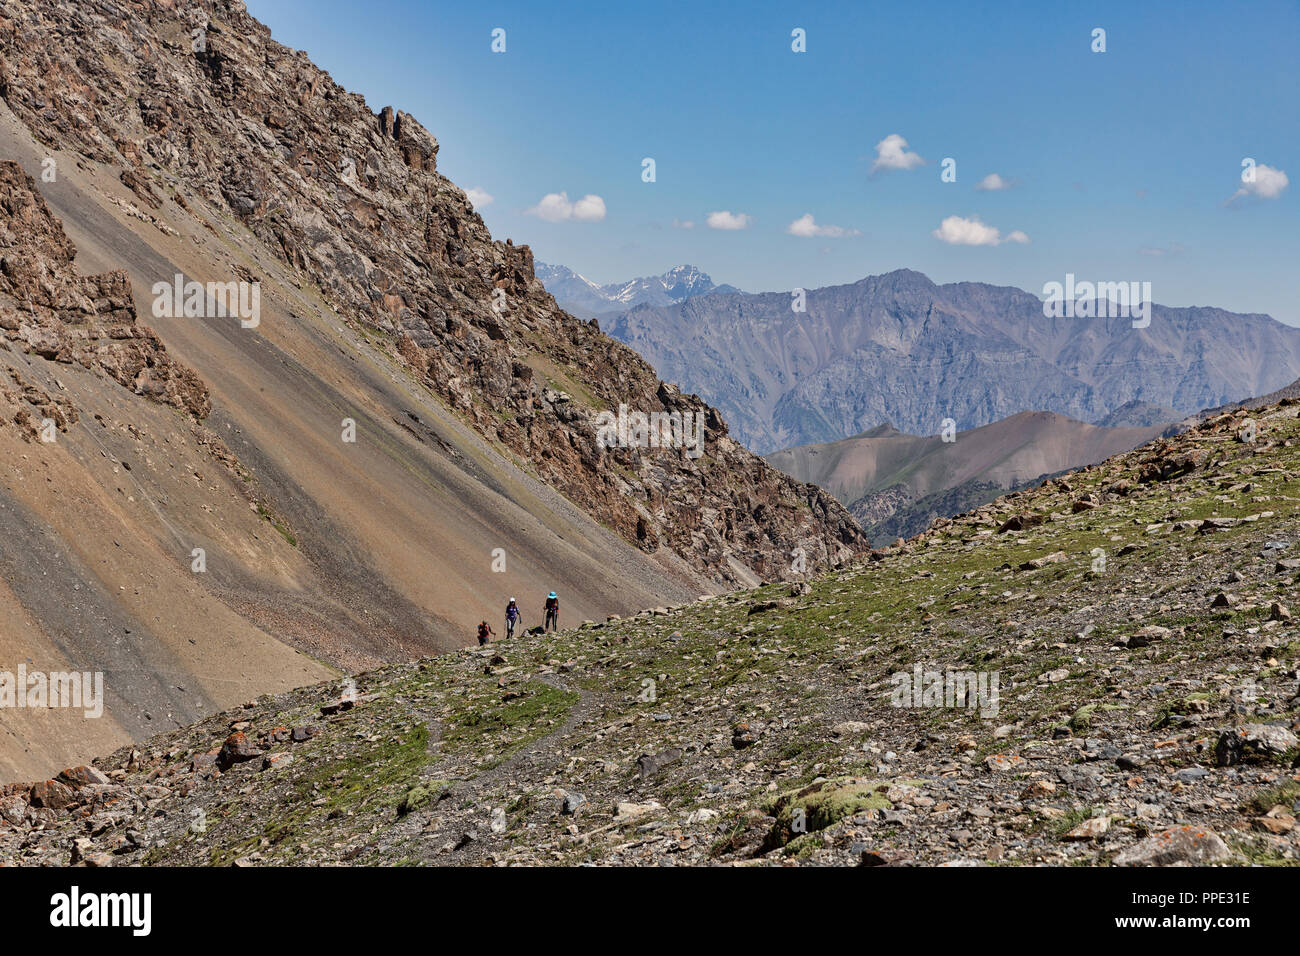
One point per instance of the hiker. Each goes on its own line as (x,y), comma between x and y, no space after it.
(552,613)
(512,618)
(485,633)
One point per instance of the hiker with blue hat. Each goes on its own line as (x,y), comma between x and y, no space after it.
(552,613)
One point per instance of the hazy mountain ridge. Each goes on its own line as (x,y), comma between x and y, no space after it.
(1290,390)
(895,484)
(901,349)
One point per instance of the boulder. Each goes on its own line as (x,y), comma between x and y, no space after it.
(237,749)
(52,795)
(76,777)
(1019,522)
(1254,743)
(1177,846)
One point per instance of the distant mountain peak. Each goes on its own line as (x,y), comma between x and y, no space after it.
(580,296)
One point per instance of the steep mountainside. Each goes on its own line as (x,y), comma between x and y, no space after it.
(1135,662)
(201,101)
(406,433)
(896,484)
(898,348)
(108,481)
(582,297)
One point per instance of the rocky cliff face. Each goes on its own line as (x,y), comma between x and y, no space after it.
(49,310)
(196,102)
(901,349)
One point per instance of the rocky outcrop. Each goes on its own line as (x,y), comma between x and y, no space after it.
(891,513)
(199,102)
(49,310)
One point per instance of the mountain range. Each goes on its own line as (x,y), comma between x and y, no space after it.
(898,348)
(580,296)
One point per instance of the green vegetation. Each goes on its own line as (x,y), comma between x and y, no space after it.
(1284,794)
(277,524)
(493,732)
(817,806)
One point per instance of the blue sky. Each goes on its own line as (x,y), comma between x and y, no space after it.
(1122,165)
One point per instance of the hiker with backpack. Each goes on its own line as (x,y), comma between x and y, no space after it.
(552,613)
(485,633)
(513,616)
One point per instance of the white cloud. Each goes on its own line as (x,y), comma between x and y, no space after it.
(993,183)
(1269,184)
(1173,249)
(958,231)
(683,224)
(805,226)
(728,220)
(891,153)
(479,198)
(555,207)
